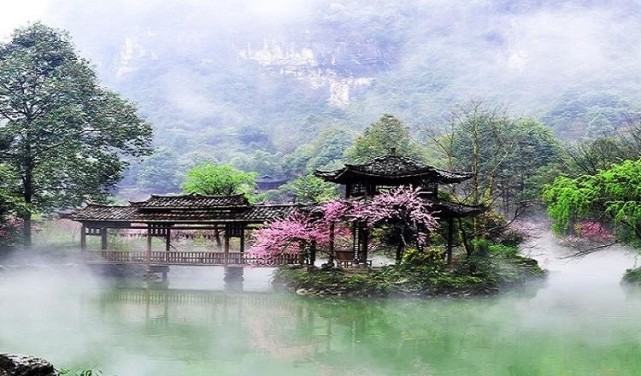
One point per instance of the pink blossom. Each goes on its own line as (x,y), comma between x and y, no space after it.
(594,231)
(402,205)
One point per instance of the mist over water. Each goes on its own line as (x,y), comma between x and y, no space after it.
(580,321)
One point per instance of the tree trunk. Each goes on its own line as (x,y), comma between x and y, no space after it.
(26,229)
(26,216)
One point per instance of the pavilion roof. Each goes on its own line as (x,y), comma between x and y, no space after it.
(392,169)
(192,201)
(186,209)
(447,209)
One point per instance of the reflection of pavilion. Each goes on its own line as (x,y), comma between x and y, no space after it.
(379,174)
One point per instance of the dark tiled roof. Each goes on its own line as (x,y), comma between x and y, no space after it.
(391,165)
(448,209)
(184,209)
(192,201)
(392,168)
(262,213)
(96,212)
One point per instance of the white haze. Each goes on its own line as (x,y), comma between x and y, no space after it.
(529,55)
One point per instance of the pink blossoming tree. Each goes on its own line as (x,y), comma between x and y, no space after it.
(402,209)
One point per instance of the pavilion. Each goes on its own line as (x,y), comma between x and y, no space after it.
(368,179)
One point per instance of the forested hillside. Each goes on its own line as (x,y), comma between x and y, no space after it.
(256,83)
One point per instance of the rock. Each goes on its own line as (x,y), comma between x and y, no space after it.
(25,365)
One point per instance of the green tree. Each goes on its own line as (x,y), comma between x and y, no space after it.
(502,152)
(380,138)
(62,135)
(310,189)
(610,196)
(588,157)
(325,152)
(160,172)
(219,180)
(534,149)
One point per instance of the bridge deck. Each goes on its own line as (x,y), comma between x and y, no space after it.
(240,259)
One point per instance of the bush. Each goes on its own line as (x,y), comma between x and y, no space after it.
(79,372)
(10,233)
(632,276)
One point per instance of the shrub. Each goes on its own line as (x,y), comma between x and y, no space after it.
(632,276)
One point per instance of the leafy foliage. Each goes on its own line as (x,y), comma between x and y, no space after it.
(62,134)
(80,372)
(380,138)
(610,196)
(502,152)
(311,189)
(632,276)
(324,152)
(219,180)
(419,274)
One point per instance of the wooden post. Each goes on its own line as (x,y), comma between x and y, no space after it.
(149,237)
(226,240)
(332,237)
(312,253)
(356,241)
(450,239)
(167,243)
(83,238)
(103,238)
(364,244)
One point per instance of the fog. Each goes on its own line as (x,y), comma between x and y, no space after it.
(580,320)
(202,65)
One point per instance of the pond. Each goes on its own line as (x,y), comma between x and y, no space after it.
(580,321)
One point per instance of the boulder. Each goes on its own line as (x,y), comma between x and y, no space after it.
(25,365)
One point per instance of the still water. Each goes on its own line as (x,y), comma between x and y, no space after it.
(579,322)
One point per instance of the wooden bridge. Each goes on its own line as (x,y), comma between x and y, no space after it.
(167,258)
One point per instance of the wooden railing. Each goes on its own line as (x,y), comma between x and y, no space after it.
(186,258)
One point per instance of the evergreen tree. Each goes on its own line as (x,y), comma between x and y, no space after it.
(61,134)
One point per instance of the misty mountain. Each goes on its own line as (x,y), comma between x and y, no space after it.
(223,79)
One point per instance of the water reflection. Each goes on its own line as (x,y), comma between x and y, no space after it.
(579,322)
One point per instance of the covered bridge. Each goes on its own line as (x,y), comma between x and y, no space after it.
(163,216)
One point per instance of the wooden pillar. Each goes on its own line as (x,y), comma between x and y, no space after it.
(103,238)
(356,241)
(242,239)
(450,239)
(149,237)
(364,245)
(312,253)
(226,244)
(332,237)
(83,238)
(167,243)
